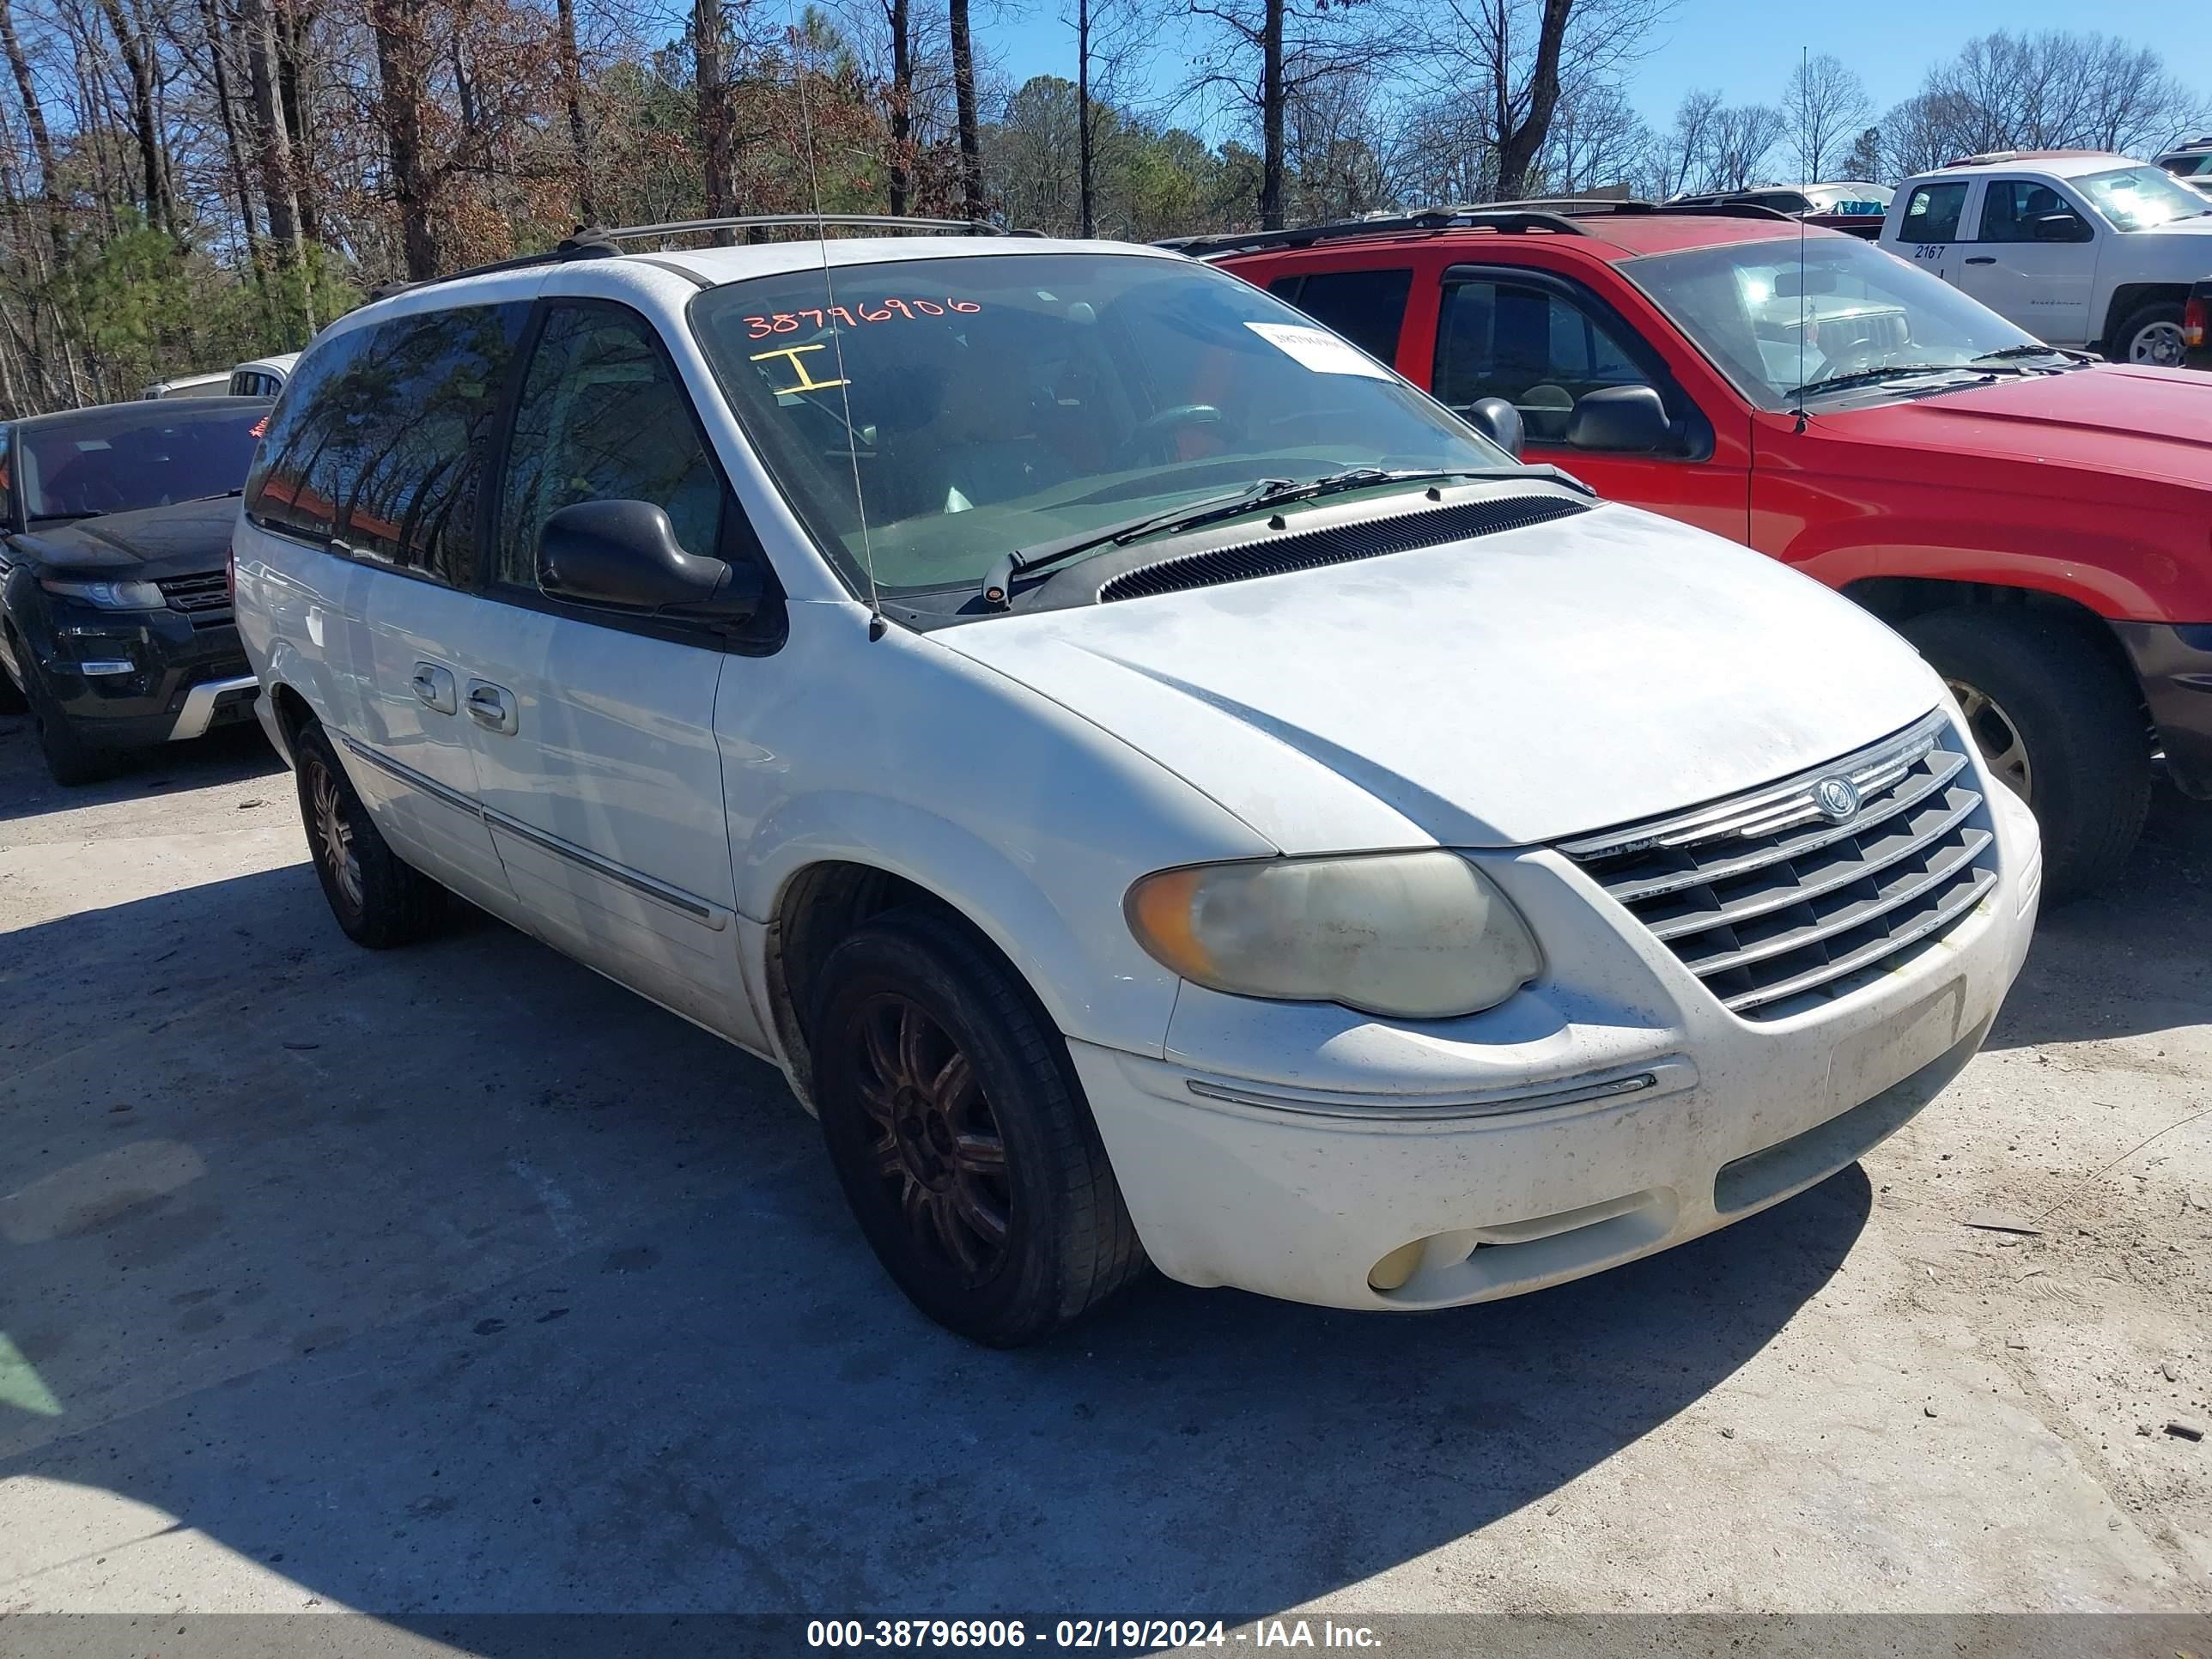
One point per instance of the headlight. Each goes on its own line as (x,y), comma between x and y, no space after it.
(1416,935)
(111,596)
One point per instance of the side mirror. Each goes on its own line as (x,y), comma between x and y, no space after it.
(624,556)
(1624,419)
(1500,423)
(2062,227)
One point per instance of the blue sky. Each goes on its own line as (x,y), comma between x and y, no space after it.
(1747,50)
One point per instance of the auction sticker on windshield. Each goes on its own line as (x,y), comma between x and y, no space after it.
(1323,353)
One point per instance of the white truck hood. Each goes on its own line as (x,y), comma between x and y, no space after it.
(1515,688)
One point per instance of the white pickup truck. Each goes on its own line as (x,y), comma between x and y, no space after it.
(2080,248)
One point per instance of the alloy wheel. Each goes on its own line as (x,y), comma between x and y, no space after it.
(333,834)
(2003,750)
(937,1146)
(2160,345)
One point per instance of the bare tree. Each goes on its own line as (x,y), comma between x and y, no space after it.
(1743,136)
(1516,61)
(2053,90)
(572,94)
(963,94)
(1265,52)
(1825,104)
(710,46)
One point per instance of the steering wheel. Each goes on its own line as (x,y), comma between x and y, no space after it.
(1859,353)
(1147,439)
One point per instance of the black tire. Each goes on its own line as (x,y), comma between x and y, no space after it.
(2163,313)
(70,760)
(2079,719)
(12,700)
(380,901)
(910,995)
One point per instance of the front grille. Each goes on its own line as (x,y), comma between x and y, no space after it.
(204,599)
(1777,907)
(1339,543)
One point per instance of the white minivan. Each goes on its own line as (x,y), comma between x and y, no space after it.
(1163,788)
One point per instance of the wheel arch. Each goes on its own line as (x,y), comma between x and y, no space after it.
(2128,298)
(1899,598)
(819,902)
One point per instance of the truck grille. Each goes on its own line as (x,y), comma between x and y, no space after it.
(204,599)
(1779,908)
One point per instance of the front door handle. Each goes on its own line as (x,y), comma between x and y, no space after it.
(1982,260)
(492,707)
(434,686)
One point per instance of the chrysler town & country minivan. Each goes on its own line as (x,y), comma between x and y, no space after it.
(1162,788)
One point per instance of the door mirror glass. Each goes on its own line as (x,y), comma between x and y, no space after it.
(624,555)
(1500,423)
(1623,419)
(2060,228)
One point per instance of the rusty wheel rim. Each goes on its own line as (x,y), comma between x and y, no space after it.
(935,1144)
(333,834)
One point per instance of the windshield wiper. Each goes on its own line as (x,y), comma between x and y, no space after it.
(998,580)
(1887,372)
(2032,350)
(219,495)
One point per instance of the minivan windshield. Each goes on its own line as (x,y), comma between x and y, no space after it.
(2141,197)
(998,402)
(1832,314)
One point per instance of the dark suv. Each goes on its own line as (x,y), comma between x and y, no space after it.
(115,623)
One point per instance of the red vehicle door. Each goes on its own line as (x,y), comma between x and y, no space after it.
(1544,339)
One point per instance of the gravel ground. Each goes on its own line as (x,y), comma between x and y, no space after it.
(456,1279)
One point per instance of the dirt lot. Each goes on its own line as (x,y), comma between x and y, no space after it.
(455,1278)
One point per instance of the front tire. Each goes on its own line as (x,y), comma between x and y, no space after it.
(959,1133)
(2152,335)
(70,760)
(379,900)
(2056,722)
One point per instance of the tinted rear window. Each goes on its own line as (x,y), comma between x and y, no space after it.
(1368,307)
(378,439)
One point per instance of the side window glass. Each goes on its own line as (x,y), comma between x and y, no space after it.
(1368,307)
(426,393)
(293,484)
(1538,349)
(602,417)
(1932,213)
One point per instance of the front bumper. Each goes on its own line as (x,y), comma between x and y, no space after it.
(1304,1151)
(130,679)
(2174,665)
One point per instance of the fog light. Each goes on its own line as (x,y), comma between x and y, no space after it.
(1392,1271)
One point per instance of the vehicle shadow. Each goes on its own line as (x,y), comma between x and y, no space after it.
(2129,960)
(229,754)
(455,1280)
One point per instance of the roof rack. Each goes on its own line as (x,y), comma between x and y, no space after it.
(1991,158)
(603,241)
(1554,215)
(1509,220)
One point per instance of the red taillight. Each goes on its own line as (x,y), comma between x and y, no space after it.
(2197,322)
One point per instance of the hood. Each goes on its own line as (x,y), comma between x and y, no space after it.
(1515,688)
(2108,418)
(153,542)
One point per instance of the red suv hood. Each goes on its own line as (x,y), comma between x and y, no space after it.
(2112,418)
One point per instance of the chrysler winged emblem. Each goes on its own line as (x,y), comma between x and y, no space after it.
(1837,798)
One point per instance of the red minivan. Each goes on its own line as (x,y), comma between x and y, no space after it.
(2039,524)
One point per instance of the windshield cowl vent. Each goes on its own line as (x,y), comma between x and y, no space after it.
(1370,538)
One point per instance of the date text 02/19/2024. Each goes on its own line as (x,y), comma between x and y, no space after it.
(1109,1635)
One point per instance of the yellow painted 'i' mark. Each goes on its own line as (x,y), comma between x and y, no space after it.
(806,381)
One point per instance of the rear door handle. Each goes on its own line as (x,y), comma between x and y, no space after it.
(1981,259)
(434,685)
(492,707)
